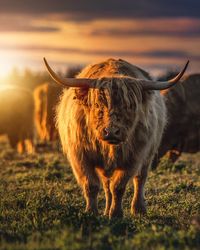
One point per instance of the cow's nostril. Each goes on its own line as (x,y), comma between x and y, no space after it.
(117,131)
(106,132)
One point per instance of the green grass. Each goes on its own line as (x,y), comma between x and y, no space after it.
(41,207)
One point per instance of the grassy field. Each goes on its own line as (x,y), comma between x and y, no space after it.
(41,207)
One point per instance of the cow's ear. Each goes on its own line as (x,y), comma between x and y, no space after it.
(81,94)
(164,92)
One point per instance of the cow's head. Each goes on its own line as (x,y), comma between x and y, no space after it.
(113,108)
(113,103)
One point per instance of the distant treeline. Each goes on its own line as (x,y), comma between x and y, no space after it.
(30,79)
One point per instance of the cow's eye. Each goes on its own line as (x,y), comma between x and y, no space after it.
(118,118)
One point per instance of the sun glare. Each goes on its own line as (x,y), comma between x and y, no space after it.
(7,63)
(5,68)
(10,60)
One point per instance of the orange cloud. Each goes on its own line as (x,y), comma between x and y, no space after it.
(147,42)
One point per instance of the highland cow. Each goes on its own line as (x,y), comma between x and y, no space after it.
(46,97)
(110,122)
(17,118)
(182,133)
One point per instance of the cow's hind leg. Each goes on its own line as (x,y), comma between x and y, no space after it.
(138,205)
(21,147)
(13,141)
(173,155)
(29,146)
(118,183)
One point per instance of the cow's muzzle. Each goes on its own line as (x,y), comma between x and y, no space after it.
(112,135)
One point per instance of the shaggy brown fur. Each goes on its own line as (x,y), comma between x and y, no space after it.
(111,132)
(46,97)
(17,118)
(183,130)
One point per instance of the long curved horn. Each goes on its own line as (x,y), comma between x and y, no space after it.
(154,85)
(69,82)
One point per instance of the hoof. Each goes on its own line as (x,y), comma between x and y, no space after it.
(93,211)
(106,212)
(115,214)
(138,207)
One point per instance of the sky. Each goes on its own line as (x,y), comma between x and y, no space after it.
(154,34)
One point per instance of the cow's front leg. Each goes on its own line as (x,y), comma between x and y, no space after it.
(138,205)
(106,186)
(118,183)
(89,182)
(90,191)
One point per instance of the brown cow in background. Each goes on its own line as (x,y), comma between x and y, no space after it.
(182,133)
(17,118)
(46,97)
